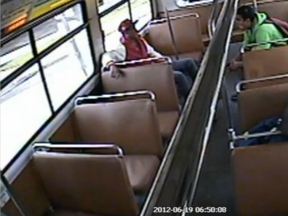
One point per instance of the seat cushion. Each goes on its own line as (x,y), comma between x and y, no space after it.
(69,213)
(194,55)
(141,170)
(168,122)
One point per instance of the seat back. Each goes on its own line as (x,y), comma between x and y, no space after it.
(261,176)
(30,193)
(204,12)
(275,9)
(266,83)
(67,132)
(186,30)
(86,183)
(132,125)
(157,78)
(258,104)
(264,63)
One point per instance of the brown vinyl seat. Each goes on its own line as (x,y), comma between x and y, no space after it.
(130,124)
(204,12)
(256,105)
(157,78)
(276,9)
(187,33)
(261,176)
(261,172)
(265,63)
(263,82)
(87,185)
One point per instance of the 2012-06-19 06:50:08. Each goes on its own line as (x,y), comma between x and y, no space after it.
(190,210)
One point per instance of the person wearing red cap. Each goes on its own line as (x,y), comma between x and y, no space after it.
(134,47)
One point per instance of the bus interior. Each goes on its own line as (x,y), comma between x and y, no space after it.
(76,141)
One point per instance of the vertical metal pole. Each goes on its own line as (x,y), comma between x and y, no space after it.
(73,42)
(172,34)
(212,22)
(130,10)
(255,4)
(13,196)
(225,100)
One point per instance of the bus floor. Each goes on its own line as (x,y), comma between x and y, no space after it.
(215,186)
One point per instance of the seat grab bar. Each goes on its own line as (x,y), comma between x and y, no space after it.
(80,99)
(263,79)
(45,146)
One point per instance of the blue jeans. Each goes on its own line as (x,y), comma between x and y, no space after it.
(185,72)
(265,126)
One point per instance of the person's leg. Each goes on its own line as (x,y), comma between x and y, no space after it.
(183,84)
(187,66)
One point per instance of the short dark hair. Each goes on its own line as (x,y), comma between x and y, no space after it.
(247,12)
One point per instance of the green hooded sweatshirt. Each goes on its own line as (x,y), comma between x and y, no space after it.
(262,32)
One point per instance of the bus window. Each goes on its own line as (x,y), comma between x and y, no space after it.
(141,11)
(24,109)
(107,4)
(14,54)
(67,68)
(53,29)
(110,23)
(25,104)
(113,12)
(187,3)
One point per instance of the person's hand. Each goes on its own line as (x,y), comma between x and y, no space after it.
(234,65)
(157,59)
(115,72)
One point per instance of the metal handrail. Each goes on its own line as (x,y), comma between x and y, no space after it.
(233,137)
(212,19)
(172,34)
(132,62)
(117,95)
(255,5)
(241,83)
(262,43)
(161,20)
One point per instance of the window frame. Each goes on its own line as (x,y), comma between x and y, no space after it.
(115,7)
(36,59)
(194,3)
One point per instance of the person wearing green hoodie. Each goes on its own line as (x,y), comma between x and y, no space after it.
(257,29)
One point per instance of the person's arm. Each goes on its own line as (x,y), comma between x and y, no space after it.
(245,43)
(238,58)
(262,37)
(117,55)
(151,51)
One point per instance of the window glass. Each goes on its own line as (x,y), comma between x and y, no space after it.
(57,27)
(141,11)
(187,3)
(24,109)
(67,68)
(106,4)
(110,23)
(14,54)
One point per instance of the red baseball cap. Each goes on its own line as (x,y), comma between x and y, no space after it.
(126,25)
